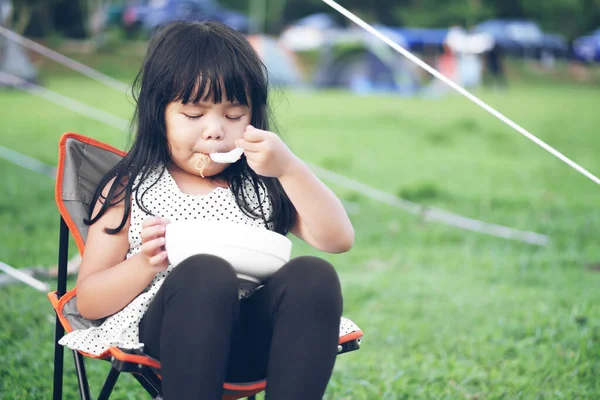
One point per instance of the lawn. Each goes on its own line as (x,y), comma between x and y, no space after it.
(447,314)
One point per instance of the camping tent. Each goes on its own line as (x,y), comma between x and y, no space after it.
(364,66)
(14,60)
(419,39)
(282,65)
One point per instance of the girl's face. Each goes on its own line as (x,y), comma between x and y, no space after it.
(196,130)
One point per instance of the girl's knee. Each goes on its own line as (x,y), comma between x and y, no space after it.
(312,268)
(315,279)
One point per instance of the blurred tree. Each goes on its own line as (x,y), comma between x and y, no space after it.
(39,18)
(570,17)
(70,18)
(24,10)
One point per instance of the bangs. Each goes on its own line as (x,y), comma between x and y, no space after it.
(210,72)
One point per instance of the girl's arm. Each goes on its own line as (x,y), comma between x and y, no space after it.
(107,282)
(322,221)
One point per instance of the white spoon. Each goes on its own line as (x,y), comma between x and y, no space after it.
(229,157)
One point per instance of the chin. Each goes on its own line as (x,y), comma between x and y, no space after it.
(210,171)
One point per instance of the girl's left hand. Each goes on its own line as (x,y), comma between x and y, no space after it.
(266,153)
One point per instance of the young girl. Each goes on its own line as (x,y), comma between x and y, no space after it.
(203,89)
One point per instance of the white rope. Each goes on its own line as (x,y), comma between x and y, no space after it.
(431,213)
(27,162)
(459,89)
(376,194)
(23,277)
(66,61)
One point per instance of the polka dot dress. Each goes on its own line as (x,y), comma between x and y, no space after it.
(162,199)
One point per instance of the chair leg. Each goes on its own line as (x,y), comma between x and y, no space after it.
(63,255)
(109,384)
(59,352)
(84,388)
(63,249)
(148,384)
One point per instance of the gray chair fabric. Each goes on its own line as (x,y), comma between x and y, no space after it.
(84,165)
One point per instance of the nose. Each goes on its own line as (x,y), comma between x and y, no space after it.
(213,131)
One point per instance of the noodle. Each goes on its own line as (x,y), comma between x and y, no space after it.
(203,161)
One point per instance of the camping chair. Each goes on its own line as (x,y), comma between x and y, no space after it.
(82,163)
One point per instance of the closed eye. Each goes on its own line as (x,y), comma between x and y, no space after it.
(193,116)
(234,118)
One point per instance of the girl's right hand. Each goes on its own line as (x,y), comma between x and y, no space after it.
(153,242)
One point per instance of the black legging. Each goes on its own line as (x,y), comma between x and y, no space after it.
(287,331)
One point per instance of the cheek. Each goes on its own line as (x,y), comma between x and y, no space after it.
(239,128)
(238,131)
(180,147)
(179,137)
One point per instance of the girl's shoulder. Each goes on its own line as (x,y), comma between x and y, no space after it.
(110,203)
(118,189)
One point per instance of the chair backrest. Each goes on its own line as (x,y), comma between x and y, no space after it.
(82,162)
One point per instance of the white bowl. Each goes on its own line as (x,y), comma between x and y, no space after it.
(254,253)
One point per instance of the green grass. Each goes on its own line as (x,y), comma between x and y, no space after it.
(447,314)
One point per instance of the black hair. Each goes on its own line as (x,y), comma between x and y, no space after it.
(183,60)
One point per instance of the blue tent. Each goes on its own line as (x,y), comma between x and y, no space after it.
(366,69)
(420,38)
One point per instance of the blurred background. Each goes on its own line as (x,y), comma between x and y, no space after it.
(476,267)
(307,42)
